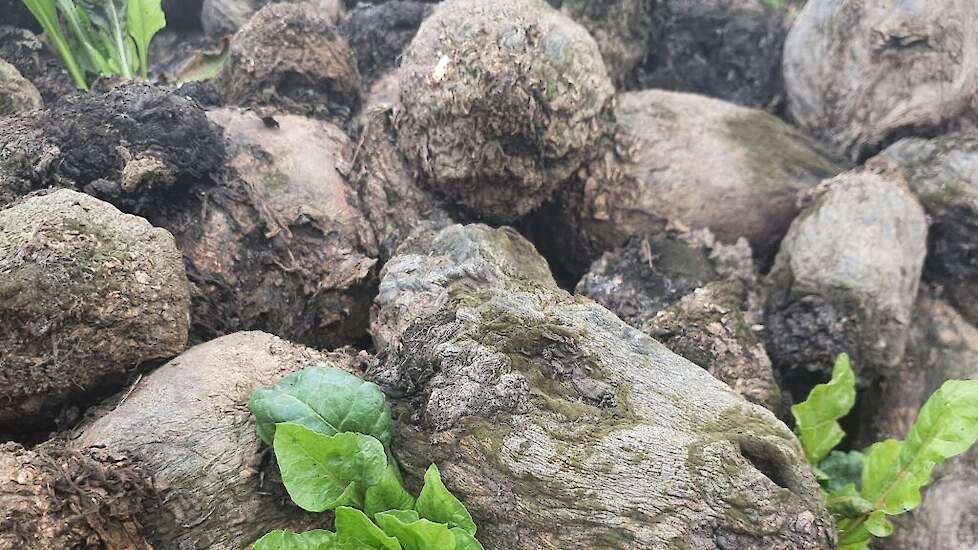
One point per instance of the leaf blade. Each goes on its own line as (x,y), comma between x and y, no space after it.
(816,418)
(421,534)
(326,400)
(946,426)
(388,494)
(323,472)
(287,540)
(145,19)
(841,469)
(355,525)
(438,504)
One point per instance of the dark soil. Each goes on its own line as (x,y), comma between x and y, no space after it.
(130,146)
(379,33)
(16,15)
(35,61)
(803,341)
(646,276)
(182,14)
(72,500)
(725,49)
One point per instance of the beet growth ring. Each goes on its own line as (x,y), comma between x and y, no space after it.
(503,101)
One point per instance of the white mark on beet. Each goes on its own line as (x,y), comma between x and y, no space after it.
(441,68)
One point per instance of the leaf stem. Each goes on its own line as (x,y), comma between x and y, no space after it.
(46,16)
(121,51)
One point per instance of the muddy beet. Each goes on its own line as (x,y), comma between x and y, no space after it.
(541,412)
(279,243)
(188,426)
(16,93)
(691,161)
(290,58)
(943,175)
(391,199)
(848,270)
(861,74)
(502,102)
(220,18)
(87,294)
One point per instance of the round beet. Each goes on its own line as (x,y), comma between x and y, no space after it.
(502,102)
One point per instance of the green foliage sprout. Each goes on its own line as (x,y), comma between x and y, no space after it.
(861,489)
(100,37)
(331,434)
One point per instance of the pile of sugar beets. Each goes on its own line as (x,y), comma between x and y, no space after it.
(592,251)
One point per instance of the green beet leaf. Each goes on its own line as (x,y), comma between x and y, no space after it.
(287,540)
(841,469)
(108,29)
(145,18)
(326,400)
(46,14)
(946,426)
(352,524)
(880,469)
(439,505)
(816,418)
(878,525)
(846,503)
(321,472)
(388,493)
(853,534)
(464,540)
(419,534)
(405,516)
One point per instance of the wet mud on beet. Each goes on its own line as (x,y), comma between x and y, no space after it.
(60,498)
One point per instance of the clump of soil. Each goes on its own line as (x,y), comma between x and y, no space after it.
(130,146)
(647,275)
(378,33)
(16,14)
(35,61)
(726,49)
(73,500)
